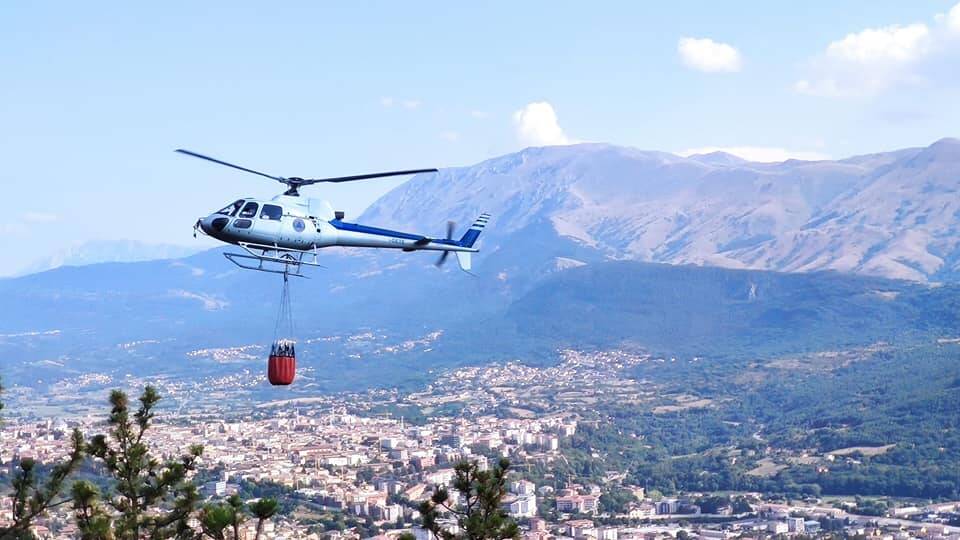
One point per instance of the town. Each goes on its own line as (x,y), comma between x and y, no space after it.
(359,472)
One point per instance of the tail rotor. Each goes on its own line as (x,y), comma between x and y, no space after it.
(443,256)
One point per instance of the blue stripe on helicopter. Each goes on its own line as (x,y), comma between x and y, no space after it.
(355,227)
(470,237)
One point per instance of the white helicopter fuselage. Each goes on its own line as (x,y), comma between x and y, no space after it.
(291,224)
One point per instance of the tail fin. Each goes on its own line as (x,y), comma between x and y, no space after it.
(470,237)
(464,260)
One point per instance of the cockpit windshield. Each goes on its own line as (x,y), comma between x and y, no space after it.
(232,209)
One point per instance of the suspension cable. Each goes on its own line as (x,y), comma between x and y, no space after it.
(284,327)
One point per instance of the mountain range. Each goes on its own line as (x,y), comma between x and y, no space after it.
(591,245)
(99,251)
(892,214)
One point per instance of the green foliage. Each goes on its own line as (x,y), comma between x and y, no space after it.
(871,507)
(480,517)
(740,505)
(32,499)
(712,504)
(236,505)
(141,482)
(689,310)
(216,520)
(92,519)
(219,519)
(263,510)
(142,485)
(616,500)
(903,396)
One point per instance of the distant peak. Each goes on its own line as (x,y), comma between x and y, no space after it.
(946,142)
(944,150)
(718,157)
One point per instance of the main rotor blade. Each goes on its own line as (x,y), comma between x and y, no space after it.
(450,227)
(443,259)
(308,181)
(208,158)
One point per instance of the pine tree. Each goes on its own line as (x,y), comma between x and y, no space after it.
(31,499)
(480,517)
(263,510)
(150,499)
(93,521)
(236,504)
(217,519)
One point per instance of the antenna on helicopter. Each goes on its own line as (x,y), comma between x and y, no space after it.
(294,183)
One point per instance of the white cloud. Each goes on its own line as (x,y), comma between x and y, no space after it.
(386,101)
(478,114)
(953,18)
(704,54)
(537,125)
(411,104)
(867,62)
(882,45)
(873,60)
(451,136)
(763,154)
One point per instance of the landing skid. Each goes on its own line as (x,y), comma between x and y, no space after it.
(273,259)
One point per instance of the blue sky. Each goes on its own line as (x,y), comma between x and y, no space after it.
(95,96)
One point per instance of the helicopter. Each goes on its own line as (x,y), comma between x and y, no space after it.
(284,234)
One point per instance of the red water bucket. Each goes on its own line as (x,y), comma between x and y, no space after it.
(281,369)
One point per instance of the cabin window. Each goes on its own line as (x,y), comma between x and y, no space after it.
(232,209)
(249,210)
(271,212)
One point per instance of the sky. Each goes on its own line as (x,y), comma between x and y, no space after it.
(95,96)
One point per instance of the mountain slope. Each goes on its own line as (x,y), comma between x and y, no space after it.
(735,313)
(891,214)
(100,251)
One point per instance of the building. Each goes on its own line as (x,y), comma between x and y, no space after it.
(581,528)
(523,487)
(521,506)
(642,511)
(423,534)
(607,533)
(390,512)
(578,504)
(218,489)
(423,462)
(389,443)
(668,506)
(778,527)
